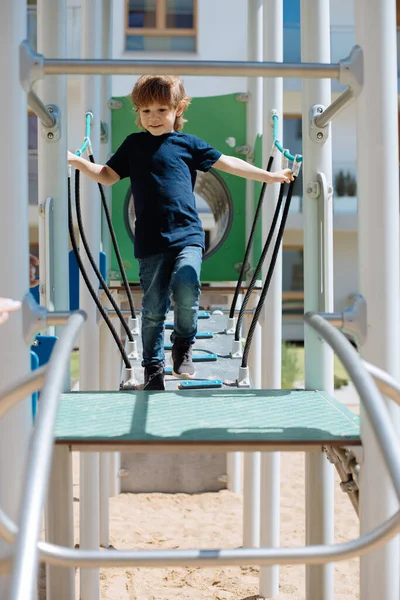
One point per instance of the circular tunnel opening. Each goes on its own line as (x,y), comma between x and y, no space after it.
(214,205)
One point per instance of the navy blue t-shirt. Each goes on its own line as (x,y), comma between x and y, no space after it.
(162,170)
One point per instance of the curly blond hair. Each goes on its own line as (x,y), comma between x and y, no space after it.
(163,89)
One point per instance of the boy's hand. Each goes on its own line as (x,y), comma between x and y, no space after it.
(6,307)
(70,157)
(285,176)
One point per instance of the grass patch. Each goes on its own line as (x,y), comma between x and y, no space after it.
(293,367)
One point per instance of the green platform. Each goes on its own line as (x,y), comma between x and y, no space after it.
(221,420)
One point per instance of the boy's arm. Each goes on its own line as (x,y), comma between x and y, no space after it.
(101,173)
(237,166)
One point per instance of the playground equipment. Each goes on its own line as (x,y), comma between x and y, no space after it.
(378,271)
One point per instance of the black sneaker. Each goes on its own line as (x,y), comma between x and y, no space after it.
(154,378)
(182,365)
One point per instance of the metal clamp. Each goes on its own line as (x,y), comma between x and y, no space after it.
(317,133)
(53,133)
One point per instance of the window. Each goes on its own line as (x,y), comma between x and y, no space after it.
(292,282)
(161,25)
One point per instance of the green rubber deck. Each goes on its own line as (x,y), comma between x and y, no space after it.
(202,420)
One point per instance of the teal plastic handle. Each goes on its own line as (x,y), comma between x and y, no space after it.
(204,335)
(298,158)
(200,384)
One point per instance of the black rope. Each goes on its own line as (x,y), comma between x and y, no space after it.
(260,262)
(87,281)
(116,248)
(269,275)
(92,260)
(249,242)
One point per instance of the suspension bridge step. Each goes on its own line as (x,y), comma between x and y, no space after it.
(204,421)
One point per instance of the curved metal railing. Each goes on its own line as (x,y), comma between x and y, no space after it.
(318,554)
(25,556)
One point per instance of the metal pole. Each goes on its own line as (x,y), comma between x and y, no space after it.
(15,427)
(190,67)
(52,170)
(234,462)
(106,94)
(377,145)
(272,314)
(52,167)
(106,340)
(335,108)
(251,460)
(318,289)
(89,346)
(35,103)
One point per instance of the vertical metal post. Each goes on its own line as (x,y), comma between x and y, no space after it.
(318,289)
(105,341)
(105,113)
(251,460)
(15,427)
(89,347)
(378,245)
(52,169)
(272,314)
(234,459)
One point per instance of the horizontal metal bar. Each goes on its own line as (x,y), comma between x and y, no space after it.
(195,448)
(385,383)
(335,319)
(21,389)
(70,557)
(112,313)
(57,318)
(59,66)
(335,108)
(47,119)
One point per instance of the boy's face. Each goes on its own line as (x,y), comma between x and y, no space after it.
(159,118)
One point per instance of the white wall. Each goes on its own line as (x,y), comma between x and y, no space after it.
(222,27)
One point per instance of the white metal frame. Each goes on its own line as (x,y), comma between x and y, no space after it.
(378,256)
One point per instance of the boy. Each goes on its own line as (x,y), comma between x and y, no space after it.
(161,163)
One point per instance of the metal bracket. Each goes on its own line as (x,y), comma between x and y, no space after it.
(52,134)
(325,241)
(314,190)
(113,104)
(353,320)
(104,132)
(35,318)
(243,380)
(246,150)
(243,97)
(31,65)
(317,134)
(352,70)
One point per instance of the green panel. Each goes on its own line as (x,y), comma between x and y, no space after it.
(214,119)
(270,416)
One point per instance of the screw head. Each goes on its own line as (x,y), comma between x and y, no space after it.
(50,109)
(309,190)
(319,109)
(50,135)
(320,135)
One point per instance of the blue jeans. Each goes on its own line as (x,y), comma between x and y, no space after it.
(175,272)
